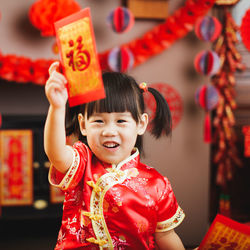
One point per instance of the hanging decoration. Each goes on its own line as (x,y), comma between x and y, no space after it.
(224,138)
(208,28)
(153,42)
(120,59)
(246,132)
(120,20)
(16,177)
(207,63)
(44,13)
(244,29)
(207,97)
(173,99)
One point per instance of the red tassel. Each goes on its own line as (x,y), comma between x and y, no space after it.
(207,128)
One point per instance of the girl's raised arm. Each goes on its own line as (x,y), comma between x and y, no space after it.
(59,154)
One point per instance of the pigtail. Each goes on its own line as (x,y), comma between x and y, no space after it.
(162,120)
(71,121)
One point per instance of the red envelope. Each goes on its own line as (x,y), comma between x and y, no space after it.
(225,233)
(77,48)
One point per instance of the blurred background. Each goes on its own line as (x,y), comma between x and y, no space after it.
(184,158)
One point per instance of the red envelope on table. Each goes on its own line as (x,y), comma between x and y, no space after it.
(225,233)
(77,48)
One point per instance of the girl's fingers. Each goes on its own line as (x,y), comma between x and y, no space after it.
(59,76)
(53,67)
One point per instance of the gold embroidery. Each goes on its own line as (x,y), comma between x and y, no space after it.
(92,216)
(64,184)
(171,223)
(95,187)
(133,172)
(98,204)
(115,209)
(95,241)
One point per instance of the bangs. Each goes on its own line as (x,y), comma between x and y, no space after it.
(122,94)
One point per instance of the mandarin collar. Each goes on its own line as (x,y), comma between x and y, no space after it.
(131,161)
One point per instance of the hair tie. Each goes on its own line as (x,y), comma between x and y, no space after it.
(143,86)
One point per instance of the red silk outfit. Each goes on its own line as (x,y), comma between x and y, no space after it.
(113,206)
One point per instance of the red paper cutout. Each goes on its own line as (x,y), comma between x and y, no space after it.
(173,99)
(76,43)
(160,38)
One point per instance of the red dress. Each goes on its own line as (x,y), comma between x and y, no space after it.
(113,206)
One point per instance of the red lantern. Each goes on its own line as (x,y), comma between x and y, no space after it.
(44,13)
(208,28)
(173,99)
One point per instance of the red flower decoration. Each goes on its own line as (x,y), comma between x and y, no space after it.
(244,29)
(44,13)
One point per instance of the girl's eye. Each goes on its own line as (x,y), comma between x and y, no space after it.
(121,121)
(98,121)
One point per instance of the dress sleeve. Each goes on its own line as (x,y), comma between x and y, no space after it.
(170,215)
(75,172)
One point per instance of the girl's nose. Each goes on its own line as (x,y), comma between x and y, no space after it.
(109,130)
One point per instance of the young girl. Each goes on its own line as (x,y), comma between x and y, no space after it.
(112,200)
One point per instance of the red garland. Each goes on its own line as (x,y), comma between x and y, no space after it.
(153,42)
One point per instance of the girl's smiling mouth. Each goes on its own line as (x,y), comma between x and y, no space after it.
(111,145)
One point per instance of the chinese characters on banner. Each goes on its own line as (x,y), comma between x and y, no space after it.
(16,175)
(225,233)
(76,43)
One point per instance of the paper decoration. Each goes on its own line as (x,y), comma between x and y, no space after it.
(207,97)
(158,39)
(120,59)
(208,28)
(76,43)
(43,14)
(246,132)
(16,175)
(120,20)
(173,99)
(207,62)
(225,233)
(244,29)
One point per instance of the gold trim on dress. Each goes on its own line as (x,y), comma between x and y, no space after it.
(103,184)
(171,223)
(64,184)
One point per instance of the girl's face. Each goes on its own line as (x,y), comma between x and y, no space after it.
(112,136)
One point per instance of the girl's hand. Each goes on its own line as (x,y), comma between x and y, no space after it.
(55,88)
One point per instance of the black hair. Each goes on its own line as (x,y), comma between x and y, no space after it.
(123,94)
